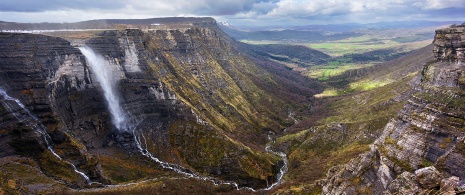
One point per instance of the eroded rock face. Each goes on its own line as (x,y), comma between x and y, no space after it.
(44,73)
(189,92)
(428,131)
(450,44)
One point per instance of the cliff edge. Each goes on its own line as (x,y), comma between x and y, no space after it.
(422,149)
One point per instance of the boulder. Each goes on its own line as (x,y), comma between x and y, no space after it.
(448,184)
(428,177)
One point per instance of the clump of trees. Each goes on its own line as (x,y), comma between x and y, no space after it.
(457,25)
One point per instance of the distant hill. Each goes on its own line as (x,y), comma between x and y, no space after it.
(285,35)
(387,72)
(288,53)
(109,23)
(332,32)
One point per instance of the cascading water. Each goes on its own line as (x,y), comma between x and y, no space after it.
(36,125)
(103,72)
(282,170)
(104,75)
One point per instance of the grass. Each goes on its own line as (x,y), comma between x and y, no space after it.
(334,68)
(307,165)
(74,34)
(260,42)
(363,44)
(121,170)
(58,168)
(367,85)
(314,150)
(380,48)
(161,186)
(401,163)
(353,45)
(19,174)
(353,87)
(204,150)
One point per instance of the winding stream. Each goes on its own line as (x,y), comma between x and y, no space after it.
(36,125)
(103,72)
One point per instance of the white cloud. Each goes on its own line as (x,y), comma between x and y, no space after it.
(442,4)
(263,11)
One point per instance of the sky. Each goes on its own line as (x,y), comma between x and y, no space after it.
(236,12)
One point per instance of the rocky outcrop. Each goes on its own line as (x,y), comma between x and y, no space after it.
(422,149)
(450,45)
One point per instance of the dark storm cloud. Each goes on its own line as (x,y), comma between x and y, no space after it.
(50,5)
(227,7)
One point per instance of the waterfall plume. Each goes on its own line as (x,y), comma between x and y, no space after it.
(103,73)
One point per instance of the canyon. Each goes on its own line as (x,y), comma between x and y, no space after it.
(180,107)
(183,100)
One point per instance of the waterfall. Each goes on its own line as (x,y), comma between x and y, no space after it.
(103,73)
(37,126)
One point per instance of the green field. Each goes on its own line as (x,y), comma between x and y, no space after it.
(347,54)
(334,68)
(352,45)
(363,44)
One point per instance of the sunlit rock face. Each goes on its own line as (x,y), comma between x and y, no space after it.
(450,44)
(422,149)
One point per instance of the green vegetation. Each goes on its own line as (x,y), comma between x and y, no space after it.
(227,92)
(401,163)
(414,38)
(18,174)
(55,167)
(204,150)
(350,53)
(161,186)
(426,163)
(365,85)
(341,131)
(335,68)
(123,169)
(365,43)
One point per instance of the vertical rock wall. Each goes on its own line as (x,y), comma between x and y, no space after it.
(422,150)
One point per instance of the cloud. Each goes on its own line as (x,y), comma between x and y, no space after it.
(245,11)
(443,4)
(365,11)
(54,5)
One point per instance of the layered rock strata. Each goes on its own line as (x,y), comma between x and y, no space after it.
(195,99)
(422,150)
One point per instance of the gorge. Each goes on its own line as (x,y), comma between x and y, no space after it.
(180,107)
(153,117)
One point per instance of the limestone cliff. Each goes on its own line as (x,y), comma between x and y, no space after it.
(197,101)
(422,149)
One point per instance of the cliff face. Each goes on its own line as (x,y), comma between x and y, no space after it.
(422,149)
(194,99)
(449,45)
(30,67)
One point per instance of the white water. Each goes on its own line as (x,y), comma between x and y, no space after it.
(37,127)
(177,168)
(282,170)
(104,75)
(102,70)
